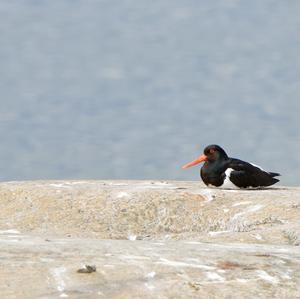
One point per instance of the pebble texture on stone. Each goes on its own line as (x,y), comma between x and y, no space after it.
(148,239)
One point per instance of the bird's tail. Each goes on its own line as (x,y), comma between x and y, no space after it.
(273,174)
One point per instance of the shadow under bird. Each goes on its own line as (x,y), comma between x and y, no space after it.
(219,170)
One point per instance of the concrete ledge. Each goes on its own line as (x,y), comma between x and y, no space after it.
(148,239)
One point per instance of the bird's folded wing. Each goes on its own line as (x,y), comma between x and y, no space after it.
(245,174)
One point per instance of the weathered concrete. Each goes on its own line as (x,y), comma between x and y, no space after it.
(163,240)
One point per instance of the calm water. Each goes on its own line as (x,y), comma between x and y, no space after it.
(134,89)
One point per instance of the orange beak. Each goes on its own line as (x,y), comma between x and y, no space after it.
(200,159)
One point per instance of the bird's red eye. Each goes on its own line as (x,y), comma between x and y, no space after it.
(212,150)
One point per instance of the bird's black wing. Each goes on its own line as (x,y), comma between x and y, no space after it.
(246,175)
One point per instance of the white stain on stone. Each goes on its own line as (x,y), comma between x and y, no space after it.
(149,286)
(122,195)
(155,185)
(167,262)
(46,260)
(193,242)
(255,208)
(242,280)
(11,241)
(207,194)
(9,231)
(161,183)
(249,210)
(231,190)
(150,274)
(283,250)
(225,210)
(167,237)
(59,185)
(285,276)
(241,203)
(13,236)
(109,266)
(58,275)
(134,257)
(214,276)
(132,237)
(117,184)
(215,233)
(81,183)
(267,277)
(257,236)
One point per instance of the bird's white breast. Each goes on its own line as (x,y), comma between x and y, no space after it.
(227,182)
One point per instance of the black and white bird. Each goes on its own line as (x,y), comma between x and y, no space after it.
(219,170)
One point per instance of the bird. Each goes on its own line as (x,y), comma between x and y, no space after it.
(219,170)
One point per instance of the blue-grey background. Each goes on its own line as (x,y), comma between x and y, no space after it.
(133,89)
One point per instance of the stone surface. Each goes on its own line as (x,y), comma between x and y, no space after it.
(148,239)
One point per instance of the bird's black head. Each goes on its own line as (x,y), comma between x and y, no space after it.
(214,152)
(211,153)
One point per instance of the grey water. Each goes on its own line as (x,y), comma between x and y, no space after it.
(133,89)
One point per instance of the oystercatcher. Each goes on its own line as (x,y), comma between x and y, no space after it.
(222,171)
